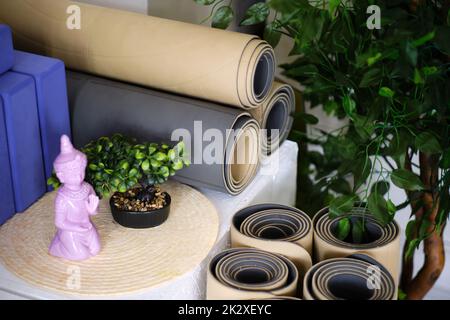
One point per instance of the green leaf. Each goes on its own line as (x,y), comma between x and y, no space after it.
(222,17)
(418,79)
(145,165)
(331,107)
(122,187)
(445,161)
(152,149)
(155,163)
(386,92)
(139,155)
(392,208)
(271,34)
(380,187)
(349,105)
(160,156)
(257,13)
(171,154)
(177,165)
(133,172)
(371,78)
(426,142)
(343,228)
(124,165)
(424,39)
(205,2)
(410,53)
(341,186)
(406,180)
(307,118)
(378,207)
(341,205)
(428,71)
(164,171)
(361,171)
(374,59)
(93,167)
(332,6)
(357,231)
(410,230)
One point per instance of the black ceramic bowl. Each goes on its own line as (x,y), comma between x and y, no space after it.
(141,220)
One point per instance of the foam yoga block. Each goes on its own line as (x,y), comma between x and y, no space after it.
(276,113)
(51,93)
(19,106)
(212,64)
(101,107)
(247,273)
(275,228)
(6,49)
(7,208)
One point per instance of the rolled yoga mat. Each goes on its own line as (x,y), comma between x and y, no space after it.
(357,277)
(276,113)
(101,107)
(275,228)
(247,273)
(212,64)
(6,49)
(382,243)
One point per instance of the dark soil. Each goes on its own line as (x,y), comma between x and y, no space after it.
(129,200)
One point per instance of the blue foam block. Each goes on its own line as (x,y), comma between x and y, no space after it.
(19,107)
(50,80)
(7,208)
(6,49)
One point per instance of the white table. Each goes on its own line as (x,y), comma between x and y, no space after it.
(273,184)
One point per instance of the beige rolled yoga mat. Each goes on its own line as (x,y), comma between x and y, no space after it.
(276,116)
(357,277)
(275,228)
(217,65)
(382,243)
(247,273)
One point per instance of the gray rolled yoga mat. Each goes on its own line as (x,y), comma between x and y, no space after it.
(101,107)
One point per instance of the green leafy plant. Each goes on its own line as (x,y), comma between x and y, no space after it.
(222,14)
(120,163)
(392,87)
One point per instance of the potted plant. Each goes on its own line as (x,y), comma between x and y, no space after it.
(392,87)
(130,173)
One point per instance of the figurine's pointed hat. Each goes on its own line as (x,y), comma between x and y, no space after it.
(69,156)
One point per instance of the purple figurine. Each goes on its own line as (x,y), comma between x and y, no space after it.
(76,237)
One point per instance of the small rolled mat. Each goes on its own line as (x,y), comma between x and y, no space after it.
(101,107)
(130,261)
(357,277)
(208,63)
(275,228)
(381,243)
(247,273)
(276,113)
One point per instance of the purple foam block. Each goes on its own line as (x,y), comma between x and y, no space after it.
(7,208)
(50,80)
(19,107)
(6,49)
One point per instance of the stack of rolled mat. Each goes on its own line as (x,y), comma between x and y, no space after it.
(382,242)
(33,114)
(356,277)
(275,228)
(247,273)
(342,269)
(228,68)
